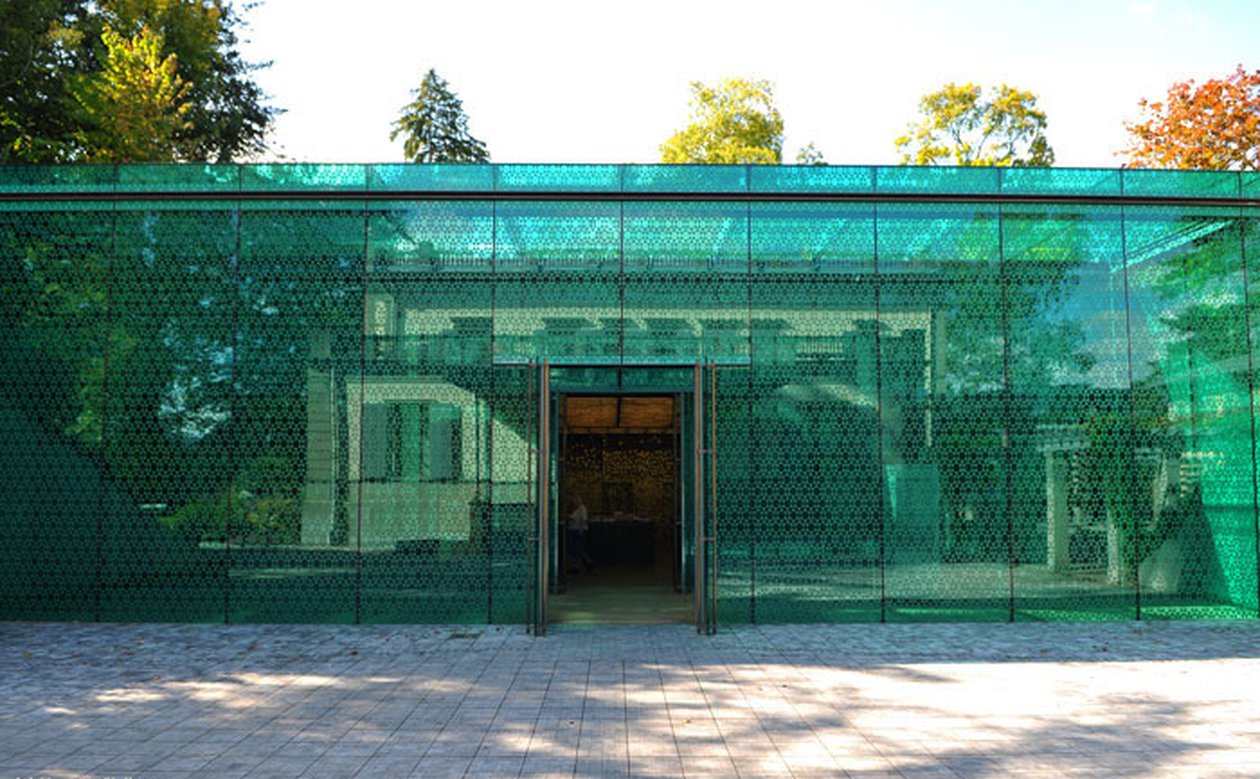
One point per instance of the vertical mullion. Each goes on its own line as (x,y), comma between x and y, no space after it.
(1132,430)
(531,513)
(232,440)
(544,493)
(879,416)
(712,553)
(1006,415)
(750,516)
(488,511)
(697,486)
(363,319)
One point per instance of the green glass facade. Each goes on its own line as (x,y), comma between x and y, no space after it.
(313,393)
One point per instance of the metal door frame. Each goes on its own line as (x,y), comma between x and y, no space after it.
(704,478)
(704,495)
(543,469)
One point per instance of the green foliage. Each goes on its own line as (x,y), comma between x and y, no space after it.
(37,39)
(810,155)
(263,502)
(58,68)
(434,126)
(733,123)
(52,303)
(959,125)
(135,108)
(227,114)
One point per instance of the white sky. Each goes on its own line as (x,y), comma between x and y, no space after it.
(608,81)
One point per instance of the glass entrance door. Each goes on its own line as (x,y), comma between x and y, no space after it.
(697,468)
(529,468)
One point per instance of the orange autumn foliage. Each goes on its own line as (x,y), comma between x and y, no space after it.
(1212,126)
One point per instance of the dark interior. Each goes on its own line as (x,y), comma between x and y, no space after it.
(619,454)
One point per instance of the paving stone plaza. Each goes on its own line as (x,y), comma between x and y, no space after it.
(1157,699)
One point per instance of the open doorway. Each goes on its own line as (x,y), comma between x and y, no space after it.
(620,467)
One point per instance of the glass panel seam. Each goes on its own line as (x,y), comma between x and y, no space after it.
(1131,444)
(879,433)
(1006,412)
(358,523)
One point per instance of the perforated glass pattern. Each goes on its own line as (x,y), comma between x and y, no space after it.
(301,392)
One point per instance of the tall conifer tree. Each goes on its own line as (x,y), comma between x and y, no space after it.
(434,126)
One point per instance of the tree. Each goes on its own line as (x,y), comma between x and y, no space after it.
(36,39)
(227,114)
(733,123)
(960,125)
(50,48)
(809,154)
(434,126)
(136,107)
(1214,126)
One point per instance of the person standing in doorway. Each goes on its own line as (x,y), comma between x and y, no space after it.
(579,523)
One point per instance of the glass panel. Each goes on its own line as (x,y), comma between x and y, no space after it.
(810,178)
(549,495)
(704,383)
(421,504)
(1060,181)
(1248,581)
(546,317)
(969,180)
(1068,415)
(316,240)
(542,237)
(431,237)
(737,484)
(558,178)
(685,570)
(918,239)
(686,237)
(53,178)
(432,178)
(1192,502)
(54,311)
(179,178)
(513,431)
(813,238)
(1250,185)
(300,341)
(683,322)
(1180,183)
(171,415)
(303,176)
(684,178)
(812,522)
(946,553)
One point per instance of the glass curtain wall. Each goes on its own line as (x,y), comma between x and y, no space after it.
(300,393)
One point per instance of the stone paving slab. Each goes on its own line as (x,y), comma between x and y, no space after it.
(803,701)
